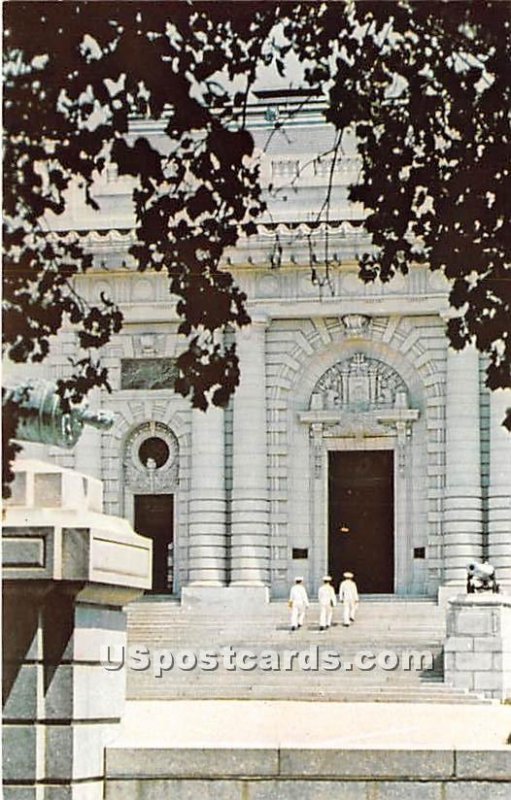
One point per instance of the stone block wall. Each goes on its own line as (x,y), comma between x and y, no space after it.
(478,645)
(286,774)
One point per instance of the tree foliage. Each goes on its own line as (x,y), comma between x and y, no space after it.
(425,86)
(75,73)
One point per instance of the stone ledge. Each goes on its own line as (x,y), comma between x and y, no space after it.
(151,763)
(135,764)
(91,547)
(367,764)
(270,789)
(482,600)
(241,597)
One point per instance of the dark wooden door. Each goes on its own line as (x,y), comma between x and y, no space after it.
(361,518)
(154,518)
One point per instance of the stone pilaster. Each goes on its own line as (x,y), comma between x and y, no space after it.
(250,539)
(207,523)
(499,490)
(463,539)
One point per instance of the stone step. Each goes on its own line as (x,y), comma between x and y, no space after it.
(343,647)
(310,678)
(395,625)
(359,694)
(277,606)
(280,643)
(361,628)
(311,622)
(181,619)
(337,633)
(278,609)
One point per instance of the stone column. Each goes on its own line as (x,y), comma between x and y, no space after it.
(207,524)
(499,490)
(463,540)
(250,533)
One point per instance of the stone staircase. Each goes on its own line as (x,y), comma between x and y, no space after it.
(391,626)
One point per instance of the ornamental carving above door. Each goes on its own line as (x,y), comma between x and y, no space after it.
(360,384)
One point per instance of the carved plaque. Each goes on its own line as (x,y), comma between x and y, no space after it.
(148,373)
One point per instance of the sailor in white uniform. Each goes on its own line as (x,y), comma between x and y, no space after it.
(348,596)
(327,601)
(298,603)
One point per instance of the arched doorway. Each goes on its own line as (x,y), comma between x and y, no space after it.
(361,518)
(361,428)
(150,471)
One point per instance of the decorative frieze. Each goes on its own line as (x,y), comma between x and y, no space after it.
(148,373)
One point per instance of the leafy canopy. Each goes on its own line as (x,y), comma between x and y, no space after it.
(424,85)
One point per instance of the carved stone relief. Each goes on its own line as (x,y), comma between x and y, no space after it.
(355,324)
(360,384)
(316,434)
(151,460)
(148,373)
(149,344)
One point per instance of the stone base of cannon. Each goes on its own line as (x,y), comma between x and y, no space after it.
(478,644)
(69,570)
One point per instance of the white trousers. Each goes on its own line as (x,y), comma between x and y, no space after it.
(325,615)
(348,613)
(297,615)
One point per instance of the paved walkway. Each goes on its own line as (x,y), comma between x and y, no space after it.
(298,724)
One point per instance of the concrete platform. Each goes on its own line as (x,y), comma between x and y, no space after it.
(257,750)
(292,724)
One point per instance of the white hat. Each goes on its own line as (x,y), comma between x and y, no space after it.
(298,579)
(327,578)
(347,574)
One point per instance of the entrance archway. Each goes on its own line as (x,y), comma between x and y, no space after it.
(361,518)
(151,468)
(360,433)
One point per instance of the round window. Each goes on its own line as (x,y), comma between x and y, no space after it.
(155,449)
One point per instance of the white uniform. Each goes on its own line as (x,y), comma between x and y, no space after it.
(348,595)
(298,601)
(327,601)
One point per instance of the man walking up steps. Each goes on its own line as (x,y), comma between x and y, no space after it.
(348,596)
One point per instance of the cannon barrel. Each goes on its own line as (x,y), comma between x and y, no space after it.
(480,569)
(41,418)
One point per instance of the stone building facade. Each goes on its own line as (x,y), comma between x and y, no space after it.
(357,439)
